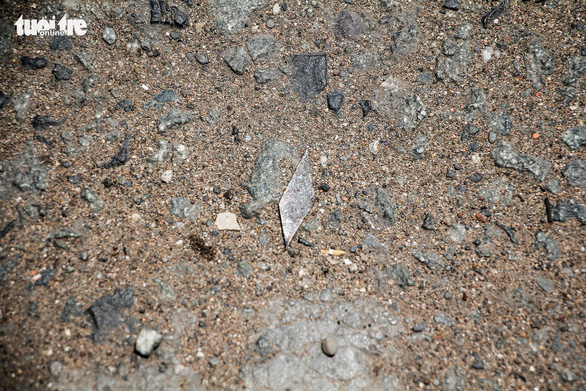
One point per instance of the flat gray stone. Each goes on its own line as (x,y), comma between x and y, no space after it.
(173,119)
(310,75)
(109,35)
(575,173)
(431,260)
(551,246)
(261,46)
(457,233)
(183,208)
(266,75)
(237,59)
(575,138)
(504,156)
(348,25)
(544,283)
(230,16)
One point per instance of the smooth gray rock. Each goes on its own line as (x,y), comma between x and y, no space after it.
(202,59)
(230,16)
(504,156)
(546,284)
(554,186)
(173,119)
(264,184)
(147,341)
(261,46)
(109,35)
(551,246)
(329,345)
(575,173)
(237,59)
(575,138)
(183,208)
(310,75)
(443,319)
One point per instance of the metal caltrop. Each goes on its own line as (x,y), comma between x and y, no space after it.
(296,200)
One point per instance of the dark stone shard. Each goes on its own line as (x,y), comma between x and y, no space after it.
(122,155)
(479,365)
(70,309)
(452,5)
(575,138)
(166,96)
(61,42)
(348,25)
(388,212)
(494,13)
(568,209)
(62,73)
(428,222)
(155,11)
(110,311)
(3,99)
(400,274)
(29,63)
(324,187)
(335,218)
(365,106)
(335,101)
(469,132)
(310,75)
(548,210)
(475,177)
(6,267)
(7,228)
(305,242)
(44,140)
(125,104)
(500,123)
(43,122)
(509,231)
(199,246)
(180,18)
(237,59)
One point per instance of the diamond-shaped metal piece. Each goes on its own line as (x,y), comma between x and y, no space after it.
(296,200)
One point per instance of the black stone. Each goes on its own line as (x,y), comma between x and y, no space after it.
(7,228)
(494,13)
(125,104)
(324,187)
(419,327)
(42,122)
(121,156)
(61,42)
(62,73)
(476,177)
(335,101)
(310,75)
(155,11)
(335,218)
(180,19)
(428,222)
(366,106)
(452,5)
(29,63)
(305,242)
(110,311)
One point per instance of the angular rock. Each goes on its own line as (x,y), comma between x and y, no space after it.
(180,153)
(551,246)
(62,73)
(183,208)
(110,311)
(398,273)
(109,35)
(452,5)
(365,106)
(162,97)
(405,40)
(227,222)
(231,16)
(61,42)
(44,122)
(431,260)
(122,155)
(494,13)
(6,34)
(310,75)
(554,186)
(419,146)
(575,173)
(575,138)
(265,184)
(266,75)
(428,222)
(348,25)
(453,62)
(147,341)
(30,173)
(504,156)
(163,153)
(29,63)
(261,46)
(173,119)
(568,209)
(21,103)
(457,233)
(469,132)
(237,59)
(335,101)
(544,283)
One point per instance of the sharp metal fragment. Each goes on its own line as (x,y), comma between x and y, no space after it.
(296,200)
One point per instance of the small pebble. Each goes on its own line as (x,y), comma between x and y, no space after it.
(167,176)
(418,327)
(329,345)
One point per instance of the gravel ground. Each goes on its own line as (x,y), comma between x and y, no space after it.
(447,150)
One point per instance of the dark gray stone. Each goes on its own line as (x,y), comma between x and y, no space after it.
(335,101)
(30,173)
(554,186)
(477,99)
(29,63)
(398,273)
(500,123)
(109,35)
(504,156)
(202,59)
(237,59)
(173,119)
(568,209)
(575,173)
(6,267)
(348,25)
(387,212)
(431,260)
(264,184)
(405,40)
(452,5)
(95,203)
(110,311)
(551,246)
(469,132)
(71,309)
(453,62)
(43,122)
(419,147)
(425,78)
(419,327)
(62,73)
(428,222)
(546,284)
(261,46)
(6,33)
(122,156)
(575,138)
(310,75)
(266,75)
(61,42)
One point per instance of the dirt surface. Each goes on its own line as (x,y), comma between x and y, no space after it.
(458,199)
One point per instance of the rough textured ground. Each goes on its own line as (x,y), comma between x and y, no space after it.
(448,162)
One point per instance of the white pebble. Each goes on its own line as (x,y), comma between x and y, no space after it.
(276,9)
(329,345)
(167,176)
